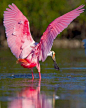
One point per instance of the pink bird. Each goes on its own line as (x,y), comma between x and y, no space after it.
(20,41)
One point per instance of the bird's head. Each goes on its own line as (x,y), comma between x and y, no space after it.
(52,54)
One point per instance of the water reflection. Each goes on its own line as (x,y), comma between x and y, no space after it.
(31,97)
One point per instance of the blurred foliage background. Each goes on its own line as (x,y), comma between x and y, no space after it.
(41,12)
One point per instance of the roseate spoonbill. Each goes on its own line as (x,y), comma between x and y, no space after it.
(21,43)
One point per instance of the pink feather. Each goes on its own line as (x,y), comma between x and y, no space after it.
(53,29)
(19,37)
(17,30)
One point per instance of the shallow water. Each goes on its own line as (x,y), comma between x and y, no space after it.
(65,88)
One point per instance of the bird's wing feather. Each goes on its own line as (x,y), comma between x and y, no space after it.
(17,30)
(53,29)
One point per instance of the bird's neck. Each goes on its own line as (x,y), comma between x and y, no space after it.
(49,54)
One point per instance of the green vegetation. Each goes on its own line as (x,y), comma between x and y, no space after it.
(41,12)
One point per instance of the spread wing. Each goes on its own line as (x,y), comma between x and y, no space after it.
(17,30)
(54,28)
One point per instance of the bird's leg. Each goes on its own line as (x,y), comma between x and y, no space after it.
(38,67)
(32,74)
(39,75)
